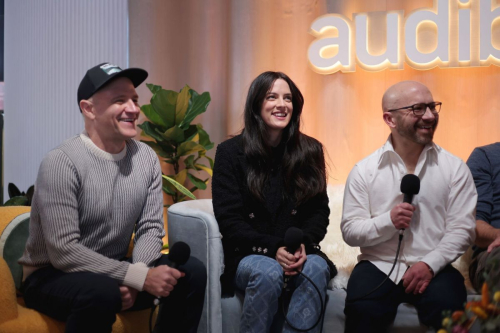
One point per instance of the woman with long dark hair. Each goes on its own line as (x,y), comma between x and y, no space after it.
(266,180)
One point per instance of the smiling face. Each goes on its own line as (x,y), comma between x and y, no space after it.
(405,126)
(111,115)
(276,110)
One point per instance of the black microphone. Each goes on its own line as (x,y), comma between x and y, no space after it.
(410,185)
(293,239)
(179,254)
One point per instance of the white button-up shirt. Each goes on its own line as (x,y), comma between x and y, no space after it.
(442,226)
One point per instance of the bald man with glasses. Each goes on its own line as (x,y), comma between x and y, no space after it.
(433,231)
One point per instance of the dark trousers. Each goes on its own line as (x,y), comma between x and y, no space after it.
(376,312)
(89,302)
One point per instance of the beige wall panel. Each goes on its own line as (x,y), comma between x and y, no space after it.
(221,46)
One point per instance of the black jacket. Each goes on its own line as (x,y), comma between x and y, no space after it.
(247,226)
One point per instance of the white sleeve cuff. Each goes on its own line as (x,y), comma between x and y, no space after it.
(136,275)
(434,261)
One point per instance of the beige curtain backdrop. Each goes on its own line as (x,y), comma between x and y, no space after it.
(220,46)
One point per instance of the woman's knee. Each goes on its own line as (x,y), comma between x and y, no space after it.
(316,264)
(264,271)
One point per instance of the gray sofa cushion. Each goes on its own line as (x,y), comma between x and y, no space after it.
(12,243)
(334,321)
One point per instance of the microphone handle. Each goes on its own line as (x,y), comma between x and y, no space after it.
(408,198)
(156,301)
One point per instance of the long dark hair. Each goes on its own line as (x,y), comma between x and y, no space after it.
(303,162)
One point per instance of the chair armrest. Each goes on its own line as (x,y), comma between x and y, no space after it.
(8,300)
(193,222)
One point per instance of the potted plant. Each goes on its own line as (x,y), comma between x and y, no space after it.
(18,198)
(178,142)
(483,313)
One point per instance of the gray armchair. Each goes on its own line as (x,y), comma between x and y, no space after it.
(193,222)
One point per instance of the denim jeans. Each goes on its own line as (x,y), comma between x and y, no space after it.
(261,280)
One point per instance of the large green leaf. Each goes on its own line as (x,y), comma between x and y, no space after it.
(204,138)
(168,148)
(174,134)
(180,187)
(160,149)
(13,190)
(211,161)
(150,130)
(151,114)
(197,105)
(168,187)
(163,103)
(156,147)
(189,147)
(205,168)
(189,162)
(168,190)
(153,87)
(182,104)
(191,132)
(197,182)
(181,176)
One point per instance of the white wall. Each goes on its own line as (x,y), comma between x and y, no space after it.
(49,45)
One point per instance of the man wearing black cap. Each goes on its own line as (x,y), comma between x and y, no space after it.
(92,193)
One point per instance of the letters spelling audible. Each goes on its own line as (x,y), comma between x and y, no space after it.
(454,33)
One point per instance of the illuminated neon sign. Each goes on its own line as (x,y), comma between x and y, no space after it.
(454,33)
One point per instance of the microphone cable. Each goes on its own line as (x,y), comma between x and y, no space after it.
(401,232)
(410,185)
(151,318)
(321,314)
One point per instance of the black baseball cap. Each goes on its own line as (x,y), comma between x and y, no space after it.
(98,76)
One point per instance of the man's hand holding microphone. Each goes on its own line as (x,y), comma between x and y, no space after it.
(417,277)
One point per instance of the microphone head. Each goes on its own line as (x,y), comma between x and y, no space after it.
(293,239)
(410,184)
(179,253)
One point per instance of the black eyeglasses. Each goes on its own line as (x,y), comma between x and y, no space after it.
(420,108)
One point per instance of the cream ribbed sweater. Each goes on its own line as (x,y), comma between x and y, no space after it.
(86,206)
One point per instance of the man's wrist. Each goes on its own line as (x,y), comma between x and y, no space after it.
(429,267)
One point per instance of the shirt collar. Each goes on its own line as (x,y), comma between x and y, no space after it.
(387,148)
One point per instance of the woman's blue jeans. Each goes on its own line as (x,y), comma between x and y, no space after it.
(260,278)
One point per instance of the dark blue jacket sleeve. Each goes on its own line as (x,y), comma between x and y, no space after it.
(480,167)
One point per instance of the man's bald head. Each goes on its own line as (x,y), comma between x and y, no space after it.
(403,94)
(406,126)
